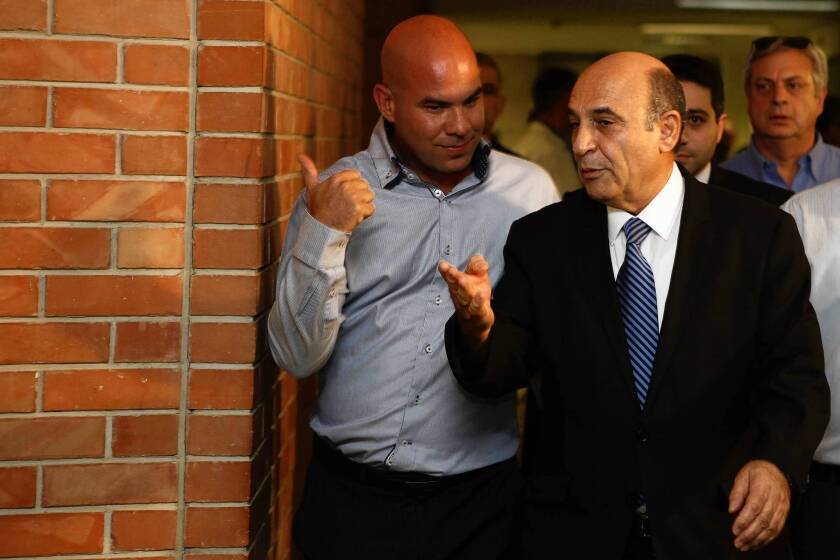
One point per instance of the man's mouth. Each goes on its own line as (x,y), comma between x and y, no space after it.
(589,173)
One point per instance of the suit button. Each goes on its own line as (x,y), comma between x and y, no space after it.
(642,436)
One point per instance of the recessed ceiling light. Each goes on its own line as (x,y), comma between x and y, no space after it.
(715,29)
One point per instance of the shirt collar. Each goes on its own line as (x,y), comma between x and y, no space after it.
(814,159)
(660,213)
(704,174)
(391,170)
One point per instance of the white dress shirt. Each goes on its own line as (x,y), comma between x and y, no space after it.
(704,174)
(817,214)
(544,147)
(663,214)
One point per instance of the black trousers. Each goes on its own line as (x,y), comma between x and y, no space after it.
(350,512)
(815,523)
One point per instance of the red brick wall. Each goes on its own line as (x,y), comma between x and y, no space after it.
(146,174)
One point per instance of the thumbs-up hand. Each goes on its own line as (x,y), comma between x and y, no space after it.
(470,291)
(341,202)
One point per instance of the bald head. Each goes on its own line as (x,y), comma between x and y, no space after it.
(422,48)
(626,112)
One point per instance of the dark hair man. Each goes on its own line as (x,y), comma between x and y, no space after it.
(703,128)
(402,459)
(544,142)
(494,99)
(786,84)
(673,430)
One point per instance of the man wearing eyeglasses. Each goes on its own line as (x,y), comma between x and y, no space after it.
(785,83)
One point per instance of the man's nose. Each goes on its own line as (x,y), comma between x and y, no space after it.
(582,141)
(458,124)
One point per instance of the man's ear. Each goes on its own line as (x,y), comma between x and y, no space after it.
(721,126)
(670,130)
(384,98)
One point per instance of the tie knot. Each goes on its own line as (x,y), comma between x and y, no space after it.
(635,230)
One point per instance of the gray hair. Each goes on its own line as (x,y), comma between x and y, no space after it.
(819,63)
(666,94)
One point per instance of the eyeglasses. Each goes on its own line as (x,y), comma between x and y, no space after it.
(764,43)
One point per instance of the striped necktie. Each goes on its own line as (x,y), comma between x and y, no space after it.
(637,296)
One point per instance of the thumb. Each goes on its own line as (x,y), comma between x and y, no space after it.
(477,266)
(309,171)
(739,491)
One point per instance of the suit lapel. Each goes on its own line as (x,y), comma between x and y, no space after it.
(597,283)
(694,247)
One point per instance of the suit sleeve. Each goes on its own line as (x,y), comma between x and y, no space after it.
(791,402)
(510,356)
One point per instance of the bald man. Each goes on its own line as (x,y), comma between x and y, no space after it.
(682,370)
(404,461)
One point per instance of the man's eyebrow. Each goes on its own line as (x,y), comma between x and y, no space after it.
(697,112)
(606,112)
(445,103)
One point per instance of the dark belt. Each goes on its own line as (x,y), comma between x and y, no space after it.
(825,473)
(336,462)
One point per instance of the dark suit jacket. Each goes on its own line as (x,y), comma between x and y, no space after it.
(748,186)
(738,375)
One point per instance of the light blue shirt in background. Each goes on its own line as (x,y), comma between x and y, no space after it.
(820,165)
(368,309)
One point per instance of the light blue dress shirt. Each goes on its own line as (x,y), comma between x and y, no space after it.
(818,166)
(368,309)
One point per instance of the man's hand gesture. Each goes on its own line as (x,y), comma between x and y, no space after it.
(470,292)
(761,498)
(341,202)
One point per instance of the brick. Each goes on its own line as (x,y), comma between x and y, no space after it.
(233,157)
(216,527)
(129,18)
(221,389)
(22,106)
(219,435)
(53,343)
(29,15)
(154,155)
(230,248)
(150,248)
(231,112)
(38,152)
(143,530)
(149,341)
(231,66)
(216,557)
(54,248)
(17,391)
(18,296)
(223,342)
(51,438)
(20,200)
(48,534)
(235,20)
(143,436)
(121,389)
(226,481)
(113,295)
(290,117)
(229,204)
(62,61)
(124,109)
(17,487)
(110,483)
(157,64)
(113,200)
(227,295)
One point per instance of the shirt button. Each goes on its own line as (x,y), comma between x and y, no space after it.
(448,250)
(437,192)
(405,442)
(417,399)
(332,292)
(642,436)
(438,300)
(428,349)
(387,174)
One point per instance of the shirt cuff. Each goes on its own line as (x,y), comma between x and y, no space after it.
(319,246)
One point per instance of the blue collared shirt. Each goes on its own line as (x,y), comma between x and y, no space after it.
(818,166)
(368,309)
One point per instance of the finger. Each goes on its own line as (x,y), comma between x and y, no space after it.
(761,523)
(309,171)
(753,507)
(739,491)
(477,266)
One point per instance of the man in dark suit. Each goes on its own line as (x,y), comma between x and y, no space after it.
(703,128)
(682,372)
